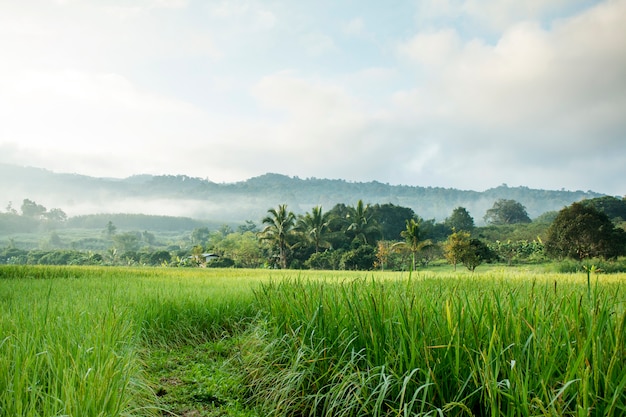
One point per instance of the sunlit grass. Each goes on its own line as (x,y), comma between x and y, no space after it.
(79,341)
(494,344)
(71,337)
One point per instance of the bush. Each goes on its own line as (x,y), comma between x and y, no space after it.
(13,254)
(570,266)
(221,263)
(327,260)
(361,258)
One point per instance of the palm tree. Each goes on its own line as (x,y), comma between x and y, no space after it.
(412,239)
(314,226)
(279,227)
(361,224)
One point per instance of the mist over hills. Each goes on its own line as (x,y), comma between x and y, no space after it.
(180,195)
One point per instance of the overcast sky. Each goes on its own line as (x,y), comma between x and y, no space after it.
(468,94)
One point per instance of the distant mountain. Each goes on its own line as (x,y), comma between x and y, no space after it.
(180,195)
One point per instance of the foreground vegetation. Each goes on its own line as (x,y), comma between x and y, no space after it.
(96,341)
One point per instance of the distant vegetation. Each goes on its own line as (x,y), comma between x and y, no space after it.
(360,237)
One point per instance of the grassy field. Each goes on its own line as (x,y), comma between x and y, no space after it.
(96,341)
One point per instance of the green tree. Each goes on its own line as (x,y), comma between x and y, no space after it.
(506,212)
(476,254)
(197,256)
(460,219)
(200,236)
(613,207)
(148,237)
(31,209)
(361,225)
(391,219)
(160,257)
(383,251)
(278,231)
(315,227)
(126,242)
(248,226)
(580,231)
(412,240)
(361,257)
(110,229)
(242,248)
(456,246)
(56,214)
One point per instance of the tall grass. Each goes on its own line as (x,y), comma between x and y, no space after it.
(483,346)
(65,350)
(72,339)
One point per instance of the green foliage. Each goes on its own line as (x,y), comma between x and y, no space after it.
(362,257)
(413,241)
(279,231)
(56,215)
(571,266)
(315,227)
(460,219)
(31,209)
(14,223)
(127,242)
(361,224)
(471,252)
(247,226)
(614,208)
(200,236)
(518,251)
(456,246)
(521,231)
(477,253)
(315,231)
(13,256)
(134,222)
(580,231)
(391,219)
(221,262)
(328,260)
(506,212)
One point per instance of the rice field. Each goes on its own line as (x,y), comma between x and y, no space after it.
(89,341)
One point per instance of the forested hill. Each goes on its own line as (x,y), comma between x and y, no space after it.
(249,200)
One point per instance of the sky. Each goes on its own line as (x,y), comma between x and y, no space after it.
(467,94)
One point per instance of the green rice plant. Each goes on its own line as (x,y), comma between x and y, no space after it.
(63,353)
(73,339)
(492,345)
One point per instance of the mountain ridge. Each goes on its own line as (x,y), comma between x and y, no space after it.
(182,195)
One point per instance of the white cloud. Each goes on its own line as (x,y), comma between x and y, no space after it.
(318,44)
(354,27)
(493,16)
(201,89)
(531,78)
(245,14)
(431,48)
(72,114)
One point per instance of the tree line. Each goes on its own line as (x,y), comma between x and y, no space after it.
(365,237)
(353,237)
